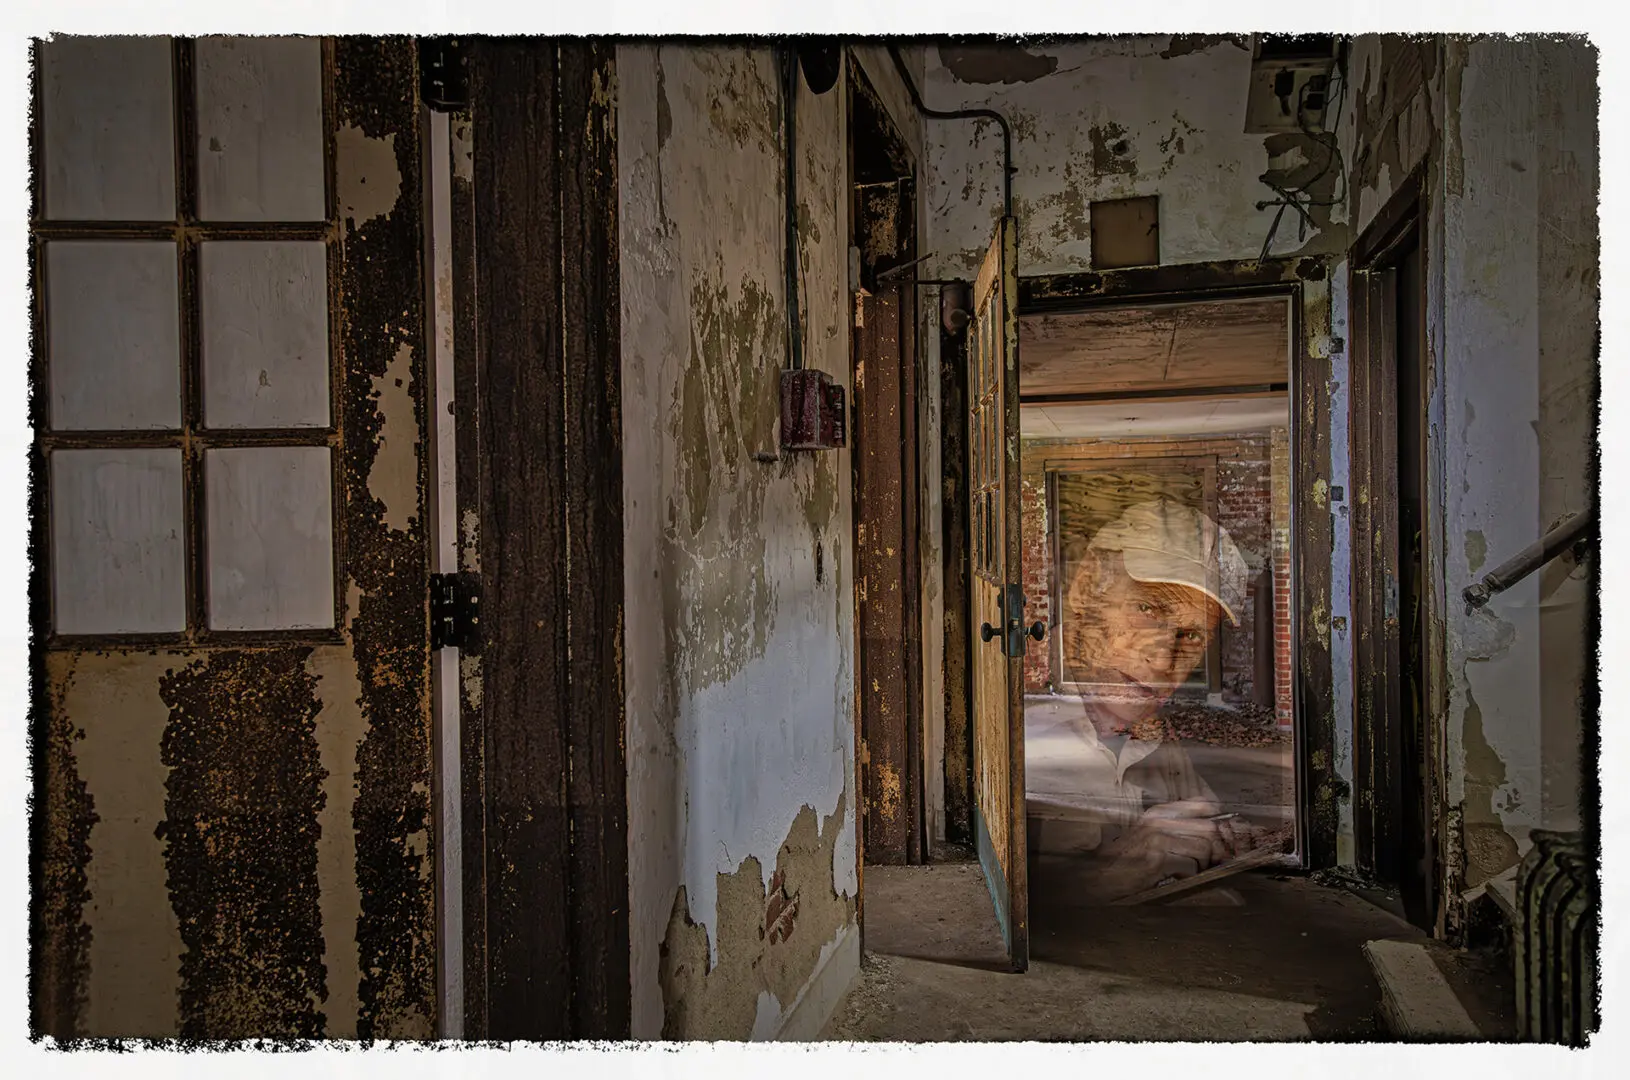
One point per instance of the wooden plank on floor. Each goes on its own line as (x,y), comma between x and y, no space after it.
(1416,1000)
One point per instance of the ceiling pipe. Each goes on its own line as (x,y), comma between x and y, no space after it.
(965,114)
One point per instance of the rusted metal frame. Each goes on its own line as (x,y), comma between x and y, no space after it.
(912,401)
(602,1004)
(885,351)
(524,666)
(192,438)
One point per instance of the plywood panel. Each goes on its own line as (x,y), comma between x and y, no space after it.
(1087,501)
(1155,347)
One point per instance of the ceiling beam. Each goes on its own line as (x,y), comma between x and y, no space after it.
(1195,393)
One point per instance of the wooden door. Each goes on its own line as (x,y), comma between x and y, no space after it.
(545,854)
(996,602)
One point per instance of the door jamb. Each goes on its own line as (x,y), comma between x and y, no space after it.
(1378,702)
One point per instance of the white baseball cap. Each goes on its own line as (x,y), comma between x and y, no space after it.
(1168,543)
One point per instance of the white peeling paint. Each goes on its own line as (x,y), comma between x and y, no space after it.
(1517,327)
(1182,120)
(723,755)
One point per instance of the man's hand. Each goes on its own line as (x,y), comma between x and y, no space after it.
(1176,839)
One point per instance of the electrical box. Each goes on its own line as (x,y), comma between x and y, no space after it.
(1290,84)
(812,411)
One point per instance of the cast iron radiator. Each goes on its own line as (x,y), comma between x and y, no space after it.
(1555,944)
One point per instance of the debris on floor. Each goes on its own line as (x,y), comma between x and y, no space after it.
(1240,725)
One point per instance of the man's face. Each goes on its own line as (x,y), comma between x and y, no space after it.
(1146,639)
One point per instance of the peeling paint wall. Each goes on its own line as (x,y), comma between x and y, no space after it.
(1110,119)
(1515,344)
(235,841)
(740,652)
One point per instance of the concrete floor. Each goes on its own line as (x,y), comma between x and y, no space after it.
(1284,962)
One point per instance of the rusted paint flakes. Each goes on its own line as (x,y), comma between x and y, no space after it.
(240,838)
(64,817)
(381,278)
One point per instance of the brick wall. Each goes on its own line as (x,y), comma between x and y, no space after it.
(1038,569)
(1245,494)
(1280,455)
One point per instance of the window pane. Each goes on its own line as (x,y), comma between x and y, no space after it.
(260,129)
(265,333)
(113,325)
(117,542)
(269,538)
(109,129)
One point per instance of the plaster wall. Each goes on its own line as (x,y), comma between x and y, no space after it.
(739,594)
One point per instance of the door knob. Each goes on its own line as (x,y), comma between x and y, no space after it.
(1038,630)
(987,631)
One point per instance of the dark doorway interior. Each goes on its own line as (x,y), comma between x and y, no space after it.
(1393,820)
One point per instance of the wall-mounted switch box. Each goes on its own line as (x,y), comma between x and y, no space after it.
(1290,83)
(812,411)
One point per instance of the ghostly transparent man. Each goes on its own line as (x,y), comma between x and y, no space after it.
(1109,779)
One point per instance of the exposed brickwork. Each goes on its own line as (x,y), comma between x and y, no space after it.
(1245,506)
(1281,574)
(1038,569)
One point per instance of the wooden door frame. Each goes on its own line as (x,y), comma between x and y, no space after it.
(1380,765)
(868,350)
(536,276)
(1318,787)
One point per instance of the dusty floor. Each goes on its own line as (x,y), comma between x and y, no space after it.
(1283,963)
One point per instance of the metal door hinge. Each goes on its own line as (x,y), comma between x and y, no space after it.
(443,82)
(455,610)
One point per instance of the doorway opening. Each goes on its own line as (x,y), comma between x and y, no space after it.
(1157,504)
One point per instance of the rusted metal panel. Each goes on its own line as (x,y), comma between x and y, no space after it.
(246,792)
(882,494)
(240,833)
(381,278)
